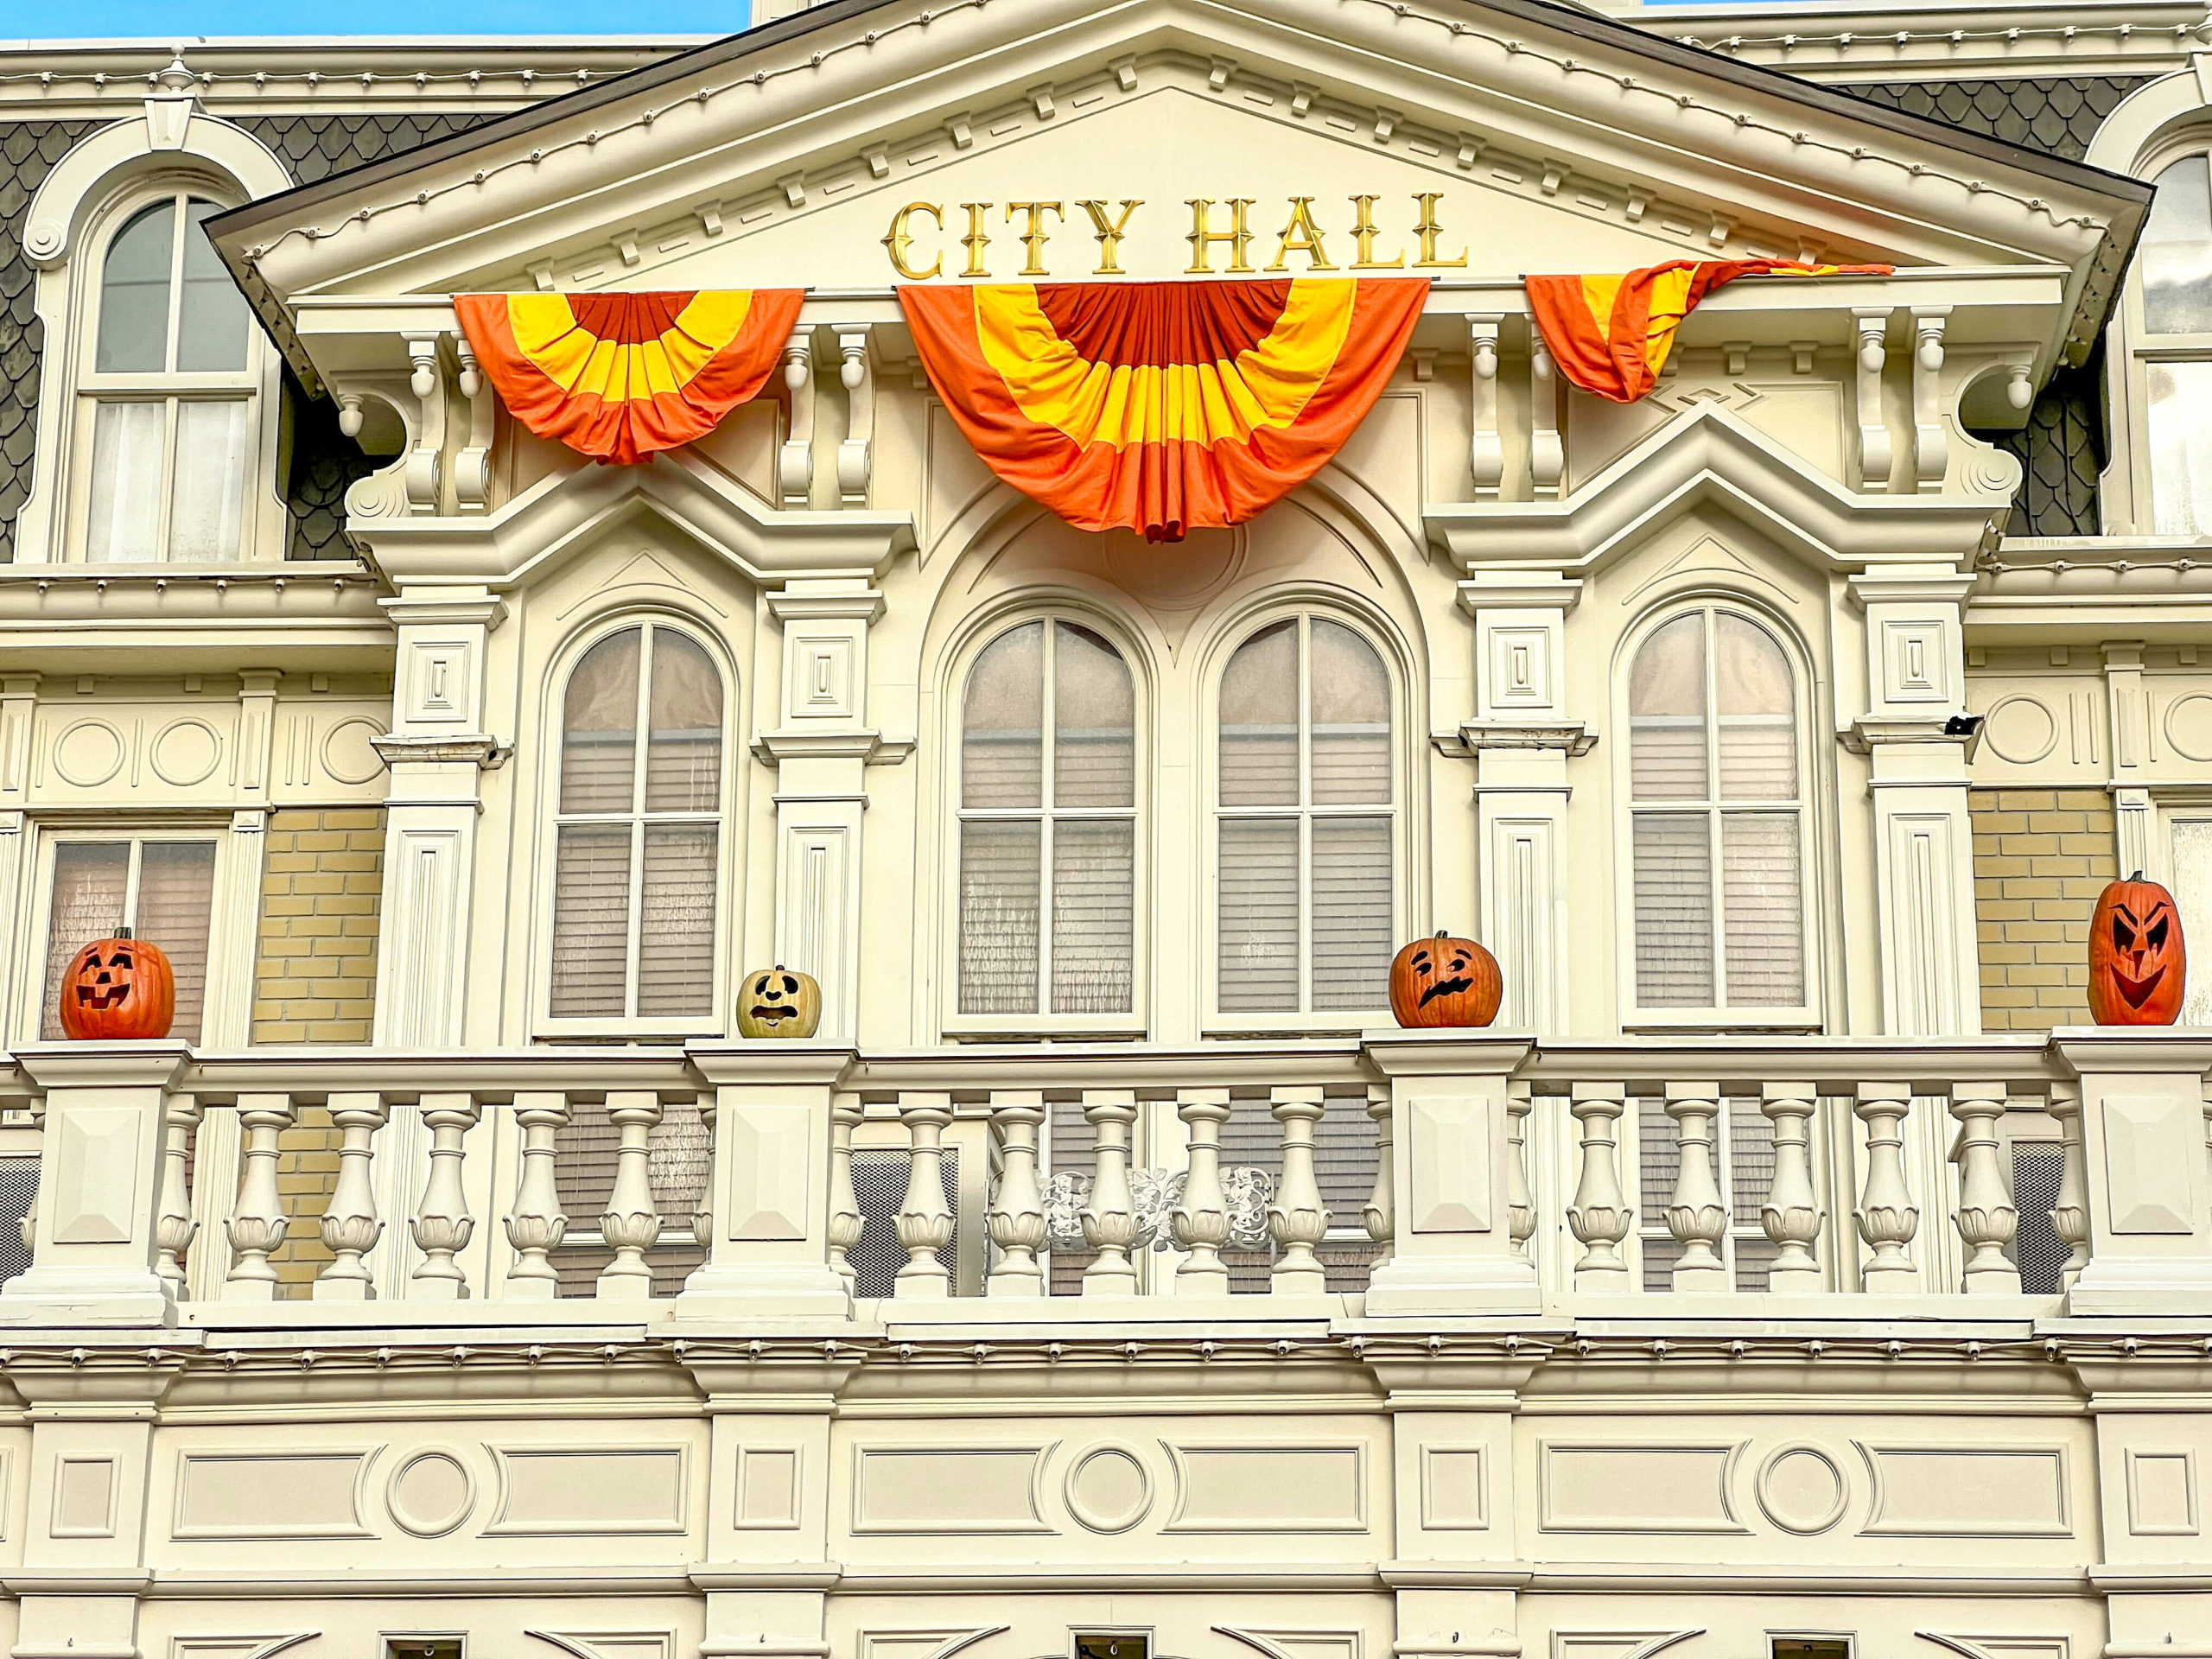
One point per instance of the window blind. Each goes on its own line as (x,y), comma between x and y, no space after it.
(591,911)
(1672,861)
(1256,924)
(1094,917)
(1000,904)
(683,741)
(1353,941)
(91,899)
(676,929)
(1764,909)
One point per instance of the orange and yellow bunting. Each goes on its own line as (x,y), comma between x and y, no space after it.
(619,375)
(1161,407)
(1611,335)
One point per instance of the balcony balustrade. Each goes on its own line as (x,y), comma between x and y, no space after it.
(1401,1175)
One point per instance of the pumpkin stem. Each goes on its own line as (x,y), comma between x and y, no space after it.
(2137,876)
(1443,933)
(120,933)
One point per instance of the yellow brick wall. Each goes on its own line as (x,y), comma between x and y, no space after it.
(315,982)
(2040,858)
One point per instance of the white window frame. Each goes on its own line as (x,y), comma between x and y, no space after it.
(2137,348)
(1305,1020)
(728,863)
(230,949)
(1136,1022)
(2171,806)
(1806,1016)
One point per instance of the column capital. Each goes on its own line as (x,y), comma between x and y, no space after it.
(825,596)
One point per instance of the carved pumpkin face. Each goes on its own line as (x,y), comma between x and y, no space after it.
(779,1002)
(2138,968)
(1444,981)
(118,989)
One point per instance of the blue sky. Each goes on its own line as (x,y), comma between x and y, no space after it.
(183,19)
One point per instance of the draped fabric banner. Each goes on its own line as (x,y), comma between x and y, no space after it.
(1611,335)
(1161,407)
(619,375)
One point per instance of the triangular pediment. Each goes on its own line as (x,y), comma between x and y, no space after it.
(1549,139)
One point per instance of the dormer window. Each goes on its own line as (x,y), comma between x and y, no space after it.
(2175,346)
(168,427)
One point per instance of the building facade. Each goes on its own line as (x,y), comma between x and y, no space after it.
(1792,1272)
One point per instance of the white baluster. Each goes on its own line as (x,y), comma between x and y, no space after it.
(1109,1222)
(174,1232)
(1986,1218)
(350,1226)
(1018,1214)
(537,1225)
(1599,1215)
(925,1219)
(631,1222)
(845,1115)
(1521,1206)
(256,1224)
(703,1216)
(442,1225)
(1697,1215)
(28,1230)
(1298,1220)
(1381,1214)
(1887,1216)
(1200,1222)
(2070,1216)
(1791,1215)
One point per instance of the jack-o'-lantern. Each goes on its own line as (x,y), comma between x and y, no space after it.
(1444,981)
(779,1002)
(2138,968)
(118,989)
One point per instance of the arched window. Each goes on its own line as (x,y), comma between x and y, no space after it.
(1717,822)
(1048,826)
(1304,824)
(167,433)
(638,841)
(2175,346)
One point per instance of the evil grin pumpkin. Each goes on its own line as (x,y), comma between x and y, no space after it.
(779,1002)
(2138,970)
(1444,981)
(118,989)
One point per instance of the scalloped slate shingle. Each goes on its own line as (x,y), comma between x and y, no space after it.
(28,151)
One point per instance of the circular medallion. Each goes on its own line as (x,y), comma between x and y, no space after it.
(430,1494)
(185,752)
(2020,729)
(88,754)
(2189,726)
(1108,1490)
(1800,1489)
(347,755)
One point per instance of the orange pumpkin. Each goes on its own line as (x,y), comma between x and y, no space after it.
(2137,967)
(118,989)
(1444,981)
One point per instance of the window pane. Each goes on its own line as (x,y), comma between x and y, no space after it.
(1259,721)
(1001,728)
(999,910)
(1758,727)
(599,727)
(123,524)
(1674,910)
(1094,916)
(591,919)
(683,747)
(676,942)
(2192,872)
(1094,722)
(90,881)
(2177,252)
(1257,924)
(2181,447)
(176,894)
(1349,702)
(211,326)
(208,501)
(1762,900)
(135,295)
(1353,939)
(1667,714)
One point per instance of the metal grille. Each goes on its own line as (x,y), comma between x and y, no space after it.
(2037,1247)
(18,1186)
(879,1183)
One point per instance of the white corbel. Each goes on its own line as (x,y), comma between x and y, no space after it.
(471,471)
(1872,352)
(855,454)
(795,463)
(1547,448)
(1931,442)
(428,385)
(1486,452)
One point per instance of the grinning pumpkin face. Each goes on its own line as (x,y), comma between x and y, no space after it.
(1444,981)
(2138,966)
(118,989)
(779,1002)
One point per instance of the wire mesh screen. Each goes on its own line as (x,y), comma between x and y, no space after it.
(18,1186)
(879,1183)
(1074,1148)
(2037,1247)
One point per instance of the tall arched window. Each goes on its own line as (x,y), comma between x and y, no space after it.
(638,840)
(167,427)
(2174,349)
(1048,826)
(1717,823)
(1304,824)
